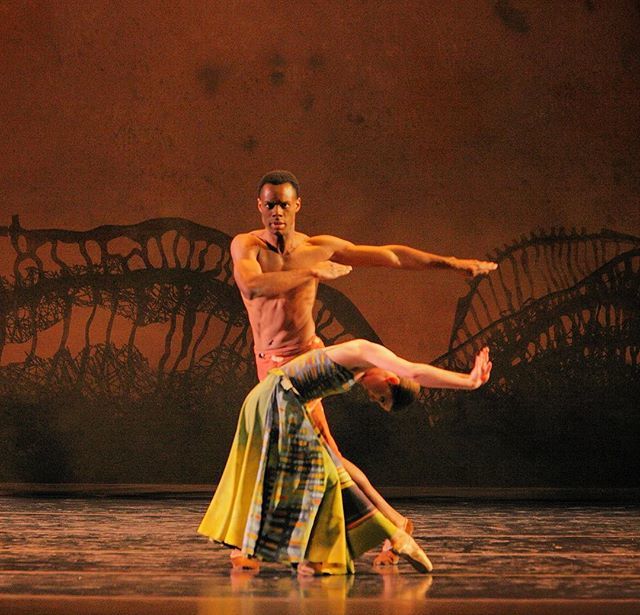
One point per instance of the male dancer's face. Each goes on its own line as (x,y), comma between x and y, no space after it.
(278,205)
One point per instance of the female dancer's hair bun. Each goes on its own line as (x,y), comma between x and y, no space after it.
(404,393)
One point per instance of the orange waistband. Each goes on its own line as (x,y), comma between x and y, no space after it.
(278,354)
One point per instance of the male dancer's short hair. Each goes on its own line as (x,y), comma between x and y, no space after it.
(277,177)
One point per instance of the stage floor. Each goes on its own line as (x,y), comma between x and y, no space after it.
(128,555)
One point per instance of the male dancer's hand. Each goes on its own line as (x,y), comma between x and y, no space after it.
(473,267)
(328,270)
(481,369)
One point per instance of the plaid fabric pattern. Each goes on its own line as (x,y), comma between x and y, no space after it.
(314,375)
(293,483)
(295,470)
(291,478)
(357,506)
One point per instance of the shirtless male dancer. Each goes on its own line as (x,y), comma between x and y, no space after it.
(277,270)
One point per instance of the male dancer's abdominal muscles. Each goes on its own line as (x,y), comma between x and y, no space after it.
(274,328)
(283,321)
(284,334)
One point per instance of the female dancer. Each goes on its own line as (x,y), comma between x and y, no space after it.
(284,495)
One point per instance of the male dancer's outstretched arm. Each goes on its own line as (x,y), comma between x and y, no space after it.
(398,257)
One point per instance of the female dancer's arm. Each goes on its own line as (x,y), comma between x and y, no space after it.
(358,355)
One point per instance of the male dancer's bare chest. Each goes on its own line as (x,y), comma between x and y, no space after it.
(300,257)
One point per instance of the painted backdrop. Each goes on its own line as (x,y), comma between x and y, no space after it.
(490,127)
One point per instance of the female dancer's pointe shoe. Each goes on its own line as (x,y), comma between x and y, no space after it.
(240,561)
(408,549)
(408,526)
(387,557)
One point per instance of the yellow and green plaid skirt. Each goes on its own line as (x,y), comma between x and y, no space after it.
(284,495)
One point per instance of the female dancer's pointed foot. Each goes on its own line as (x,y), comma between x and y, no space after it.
(240,561)
(407,548)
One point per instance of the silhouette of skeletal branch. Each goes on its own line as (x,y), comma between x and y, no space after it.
(167,271)
(534,266)
(595,321)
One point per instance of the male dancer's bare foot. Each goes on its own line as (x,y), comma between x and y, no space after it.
(240,561)
(309,569)
(407,548)
(387,557)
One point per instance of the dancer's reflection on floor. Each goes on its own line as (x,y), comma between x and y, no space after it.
(396,585)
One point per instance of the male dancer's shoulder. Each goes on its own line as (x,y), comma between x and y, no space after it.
(328,241)
(246,245)
(251,238)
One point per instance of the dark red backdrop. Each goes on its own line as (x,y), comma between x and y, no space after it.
(455,127)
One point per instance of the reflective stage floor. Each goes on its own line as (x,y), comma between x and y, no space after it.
(128,555)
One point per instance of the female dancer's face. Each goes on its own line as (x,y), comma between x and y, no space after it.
(378,383)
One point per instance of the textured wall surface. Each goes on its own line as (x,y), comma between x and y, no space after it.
(450,126)
(454,127)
